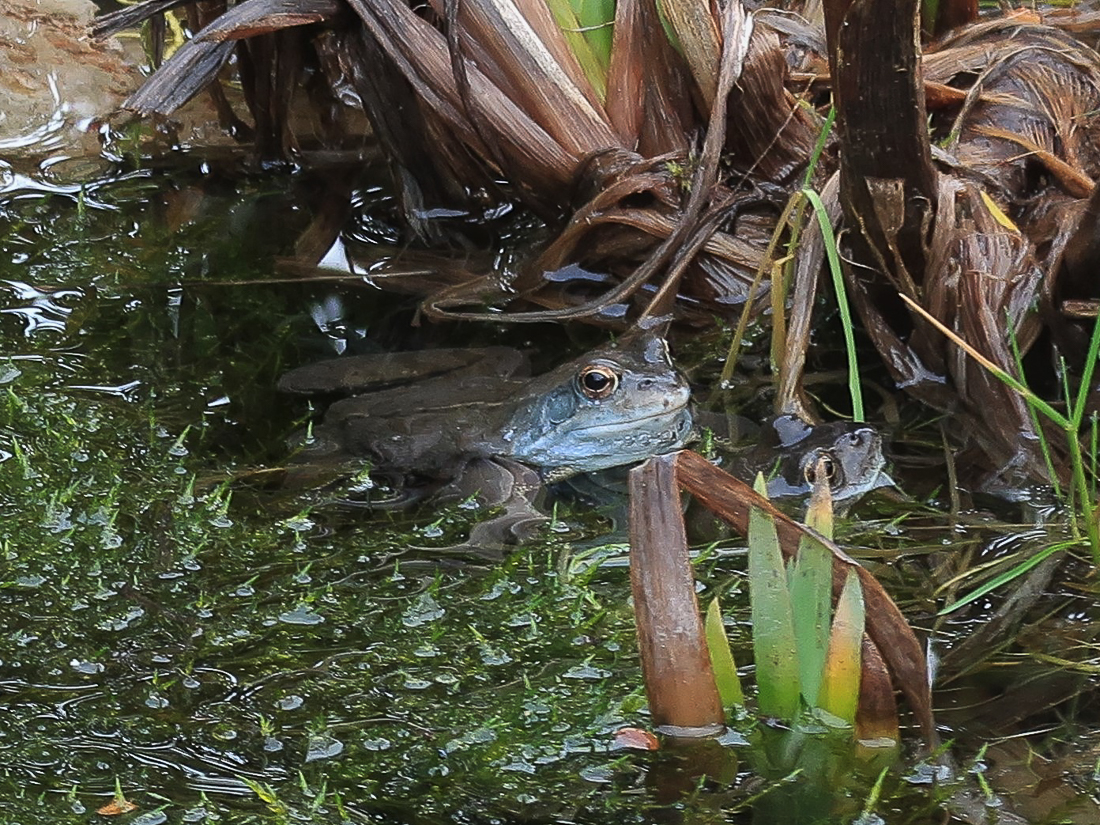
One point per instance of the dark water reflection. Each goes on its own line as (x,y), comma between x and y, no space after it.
(224,650)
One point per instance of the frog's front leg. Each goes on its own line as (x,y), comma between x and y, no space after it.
(498,482)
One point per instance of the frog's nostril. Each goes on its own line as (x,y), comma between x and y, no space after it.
(645,384)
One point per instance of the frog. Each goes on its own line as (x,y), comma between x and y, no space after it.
(789,449)
(432,412)
(460,423)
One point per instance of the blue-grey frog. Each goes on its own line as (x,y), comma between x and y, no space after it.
(433,411)
(471,421)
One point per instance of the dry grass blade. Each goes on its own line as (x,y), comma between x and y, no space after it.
(738,30)
(877,710)
(517,61)
(194,66)
(697,32)
(810,256)
(627,72)
(1076,182)
(732,500)
(549,33)
(128,16)
(420,52)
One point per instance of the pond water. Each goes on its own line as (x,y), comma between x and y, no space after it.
(219,650)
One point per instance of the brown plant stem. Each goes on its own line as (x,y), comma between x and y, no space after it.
(676,667)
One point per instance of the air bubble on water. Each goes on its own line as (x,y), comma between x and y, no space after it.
(323,746)
(299,524)
(150,818)
(477,736)
(492,657)
(59,520)
(290,702)
(586,671)
(423,611)
(302,614)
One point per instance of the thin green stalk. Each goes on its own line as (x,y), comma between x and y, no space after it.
(1086,375)
(1087,492)
(1094,447)
(1088,514)
(841,301)
(743,322)
(790,216)
(1044,445)
(819,147)
(872,798)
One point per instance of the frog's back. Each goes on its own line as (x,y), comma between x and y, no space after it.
(430,428)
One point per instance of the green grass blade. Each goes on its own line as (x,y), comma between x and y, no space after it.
(721,659)
(1094,447)
(854,387)
(597,19)
(1079,408)
(1010,574)
(772,625)
(592,61)
(811,604)
(840,684)
(819,146)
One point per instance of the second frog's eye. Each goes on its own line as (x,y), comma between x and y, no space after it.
(597,381)
(828,467)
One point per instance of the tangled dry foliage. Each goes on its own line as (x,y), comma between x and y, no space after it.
(666,172)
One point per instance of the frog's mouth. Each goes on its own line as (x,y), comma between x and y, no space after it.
(679,418)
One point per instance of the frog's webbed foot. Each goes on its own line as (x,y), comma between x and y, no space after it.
(501,483)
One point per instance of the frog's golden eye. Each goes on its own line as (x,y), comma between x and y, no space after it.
(828,468)
(597,381)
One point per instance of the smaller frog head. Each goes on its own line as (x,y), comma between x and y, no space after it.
(617,406)
(851,454)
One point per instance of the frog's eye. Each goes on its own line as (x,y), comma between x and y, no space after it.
(597,381)
(828,467)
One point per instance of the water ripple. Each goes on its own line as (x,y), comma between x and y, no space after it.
(41,309)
